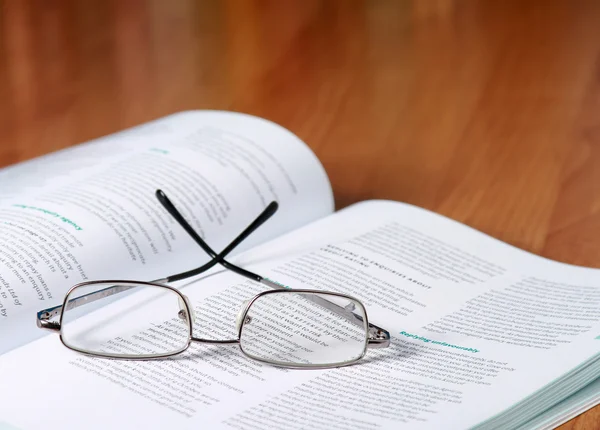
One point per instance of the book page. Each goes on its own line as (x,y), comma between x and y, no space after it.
(89,212)
(567,409)
(473,324)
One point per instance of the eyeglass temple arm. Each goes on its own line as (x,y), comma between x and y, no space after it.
(267,213)
(219,258)
(45,315)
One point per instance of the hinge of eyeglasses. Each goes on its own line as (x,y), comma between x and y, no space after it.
(44,322)
(379,334)
(379,339)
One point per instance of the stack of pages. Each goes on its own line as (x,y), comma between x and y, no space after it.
(483,335)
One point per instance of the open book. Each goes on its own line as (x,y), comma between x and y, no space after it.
(483,335)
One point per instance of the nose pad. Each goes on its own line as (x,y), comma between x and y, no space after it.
(240,317)
(182,314)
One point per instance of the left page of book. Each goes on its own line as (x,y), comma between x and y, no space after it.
(89,212)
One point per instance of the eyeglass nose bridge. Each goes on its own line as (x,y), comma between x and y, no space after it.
(183,315)
(240,321)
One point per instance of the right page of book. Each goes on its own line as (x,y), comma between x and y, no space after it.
(477,327)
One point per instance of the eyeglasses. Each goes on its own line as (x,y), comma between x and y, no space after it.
(293,328)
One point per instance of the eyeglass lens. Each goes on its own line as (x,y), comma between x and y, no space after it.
(289,328)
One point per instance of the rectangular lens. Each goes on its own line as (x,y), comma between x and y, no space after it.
(154,324)
(304,329)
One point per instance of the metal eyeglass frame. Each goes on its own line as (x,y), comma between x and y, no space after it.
(376,336)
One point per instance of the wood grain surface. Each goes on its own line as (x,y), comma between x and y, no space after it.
(485,111)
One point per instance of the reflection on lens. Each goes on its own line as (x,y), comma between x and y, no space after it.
(153,323)
(304,329)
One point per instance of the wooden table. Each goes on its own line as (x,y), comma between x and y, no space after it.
(485,111)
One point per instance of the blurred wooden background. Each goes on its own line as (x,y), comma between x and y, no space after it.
(485,111)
